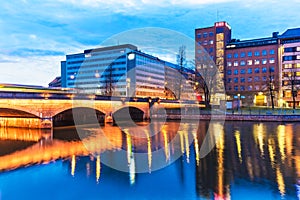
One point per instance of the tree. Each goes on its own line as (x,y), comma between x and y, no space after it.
(181,61)
(292,80)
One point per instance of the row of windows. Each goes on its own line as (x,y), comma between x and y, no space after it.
(251,62)
(250,54)
(205,35)
(242,88)
(291,49)
(287,58)
(249,71)
(249,79)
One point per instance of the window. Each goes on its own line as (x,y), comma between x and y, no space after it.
(199,51)
(243,63)
(264,78)
(264,52)
(236,72)
(229,64)
(205,42)
(199,43)
(272,60)
(256,70)
(249,70)
(229,72)
(249,87)
(298,49)
(229,55)
(236,80)
(236,88)
(272,69)
(264,70)
(211,50)
(243,54)
(243,71)
(242,80)
(250,54)
(199,35)
(256,62)
(242,88)
(236,55)
(211,42)
(264,61)
(211,34)
(249,79)
(205,35)
(236,63)
(256,53)
(272,52)
(287,66)
(256,87)
(249,62)
(256,78)
(229,87)
(229,80)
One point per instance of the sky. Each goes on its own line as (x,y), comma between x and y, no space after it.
(36,35)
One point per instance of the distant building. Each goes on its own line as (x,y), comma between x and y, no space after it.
(290,51)
(120,70)
(56,83)
(256,69)
(252,67)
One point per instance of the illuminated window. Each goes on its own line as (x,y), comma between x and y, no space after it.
(236,63)
(249,87)
(257,87)
(211,42)
(287,66)
(229,64)
(249,62)
(298,49)
(272,60)
(264,61)
(256,62)
(243,63)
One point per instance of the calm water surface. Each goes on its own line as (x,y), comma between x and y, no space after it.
(249,161)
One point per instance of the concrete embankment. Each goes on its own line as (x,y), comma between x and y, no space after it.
(235,117)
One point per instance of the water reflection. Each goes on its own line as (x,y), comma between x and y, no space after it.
(260,158)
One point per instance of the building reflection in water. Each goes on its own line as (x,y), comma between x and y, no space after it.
(261,153)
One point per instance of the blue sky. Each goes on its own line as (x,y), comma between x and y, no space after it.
(36,35)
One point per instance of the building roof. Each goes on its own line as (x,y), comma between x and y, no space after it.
(252,43)
(122,46)
(290,33)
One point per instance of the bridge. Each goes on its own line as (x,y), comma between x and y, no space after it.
(46,108)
